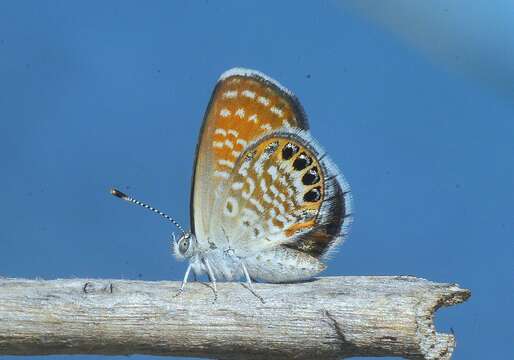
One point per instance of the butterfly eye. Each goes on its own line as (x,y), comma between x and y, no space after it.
(184,244)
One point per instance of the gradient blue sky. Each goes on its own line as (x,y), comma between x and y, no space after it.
(95,94)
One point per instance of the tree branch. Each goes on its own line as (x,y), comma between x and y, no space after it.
(330,317)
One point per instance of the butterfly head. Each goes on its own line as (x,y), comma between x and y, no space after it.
(185,247)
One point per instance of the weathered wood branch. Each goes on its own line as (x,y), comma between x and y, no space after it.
(325,318)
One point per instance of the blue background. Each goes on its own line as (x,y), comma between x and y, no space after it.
(415,105)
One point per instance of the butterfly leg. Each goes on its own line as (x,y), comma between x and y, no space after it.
(249,283)
(184,282)
(211,277)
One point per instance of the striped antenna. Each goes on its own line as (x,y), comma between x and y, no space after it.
(125,197)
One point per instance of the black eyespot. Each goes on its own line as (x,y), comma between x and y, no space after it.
(311,177)
(288,151)
(312,195)
(301,162)
(256,231)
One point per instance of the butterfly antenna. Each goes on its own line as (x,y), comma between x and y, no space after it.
(125,197)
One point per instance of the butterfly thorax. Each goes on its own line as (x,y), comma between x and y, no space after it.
(224,262)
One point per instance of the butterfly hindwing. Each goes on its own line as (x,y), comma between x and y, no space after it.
(282,191)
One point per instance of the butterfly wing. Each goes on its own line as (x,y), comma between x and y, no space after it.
(282,191)
(244,106)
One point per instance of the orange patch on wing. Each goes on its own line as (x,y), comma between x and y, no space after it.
(242,110)
(290,231)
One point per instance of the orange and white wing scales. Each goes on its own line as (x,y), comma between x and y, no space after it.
(263,188)
(244,105)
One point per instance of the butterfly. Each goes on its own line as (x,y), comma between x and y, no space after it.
(267,203)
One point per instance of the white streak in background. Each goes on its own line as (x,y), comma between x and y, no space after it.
(475,38)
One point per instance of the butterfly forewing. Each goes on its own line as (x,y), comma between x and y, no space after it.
(244,106)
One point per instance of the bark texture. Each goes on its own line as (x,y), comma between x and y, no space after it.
(326,318)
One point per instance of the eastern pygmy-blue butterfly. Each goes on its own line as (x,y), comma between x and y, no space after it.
(266,202)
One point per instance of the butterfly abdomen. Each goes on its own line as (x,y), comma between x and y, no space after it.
(282,264)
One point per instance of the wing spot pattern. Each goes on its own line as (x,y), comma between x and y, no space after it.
(272,170)
(237,185)
(242,142)
(243,170)
(313,195)
(275,110)
(233,133)
(263,100)
(289,150)
(226,163)
(279,206)
(240,112)
(231,94)
(225,112)
(220,131)
(266,127)
(282,219)
(222,174)
(302,161)
(264,186)
(272,227)
(231,207)
(251,187)
(257,204)
(249,94)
